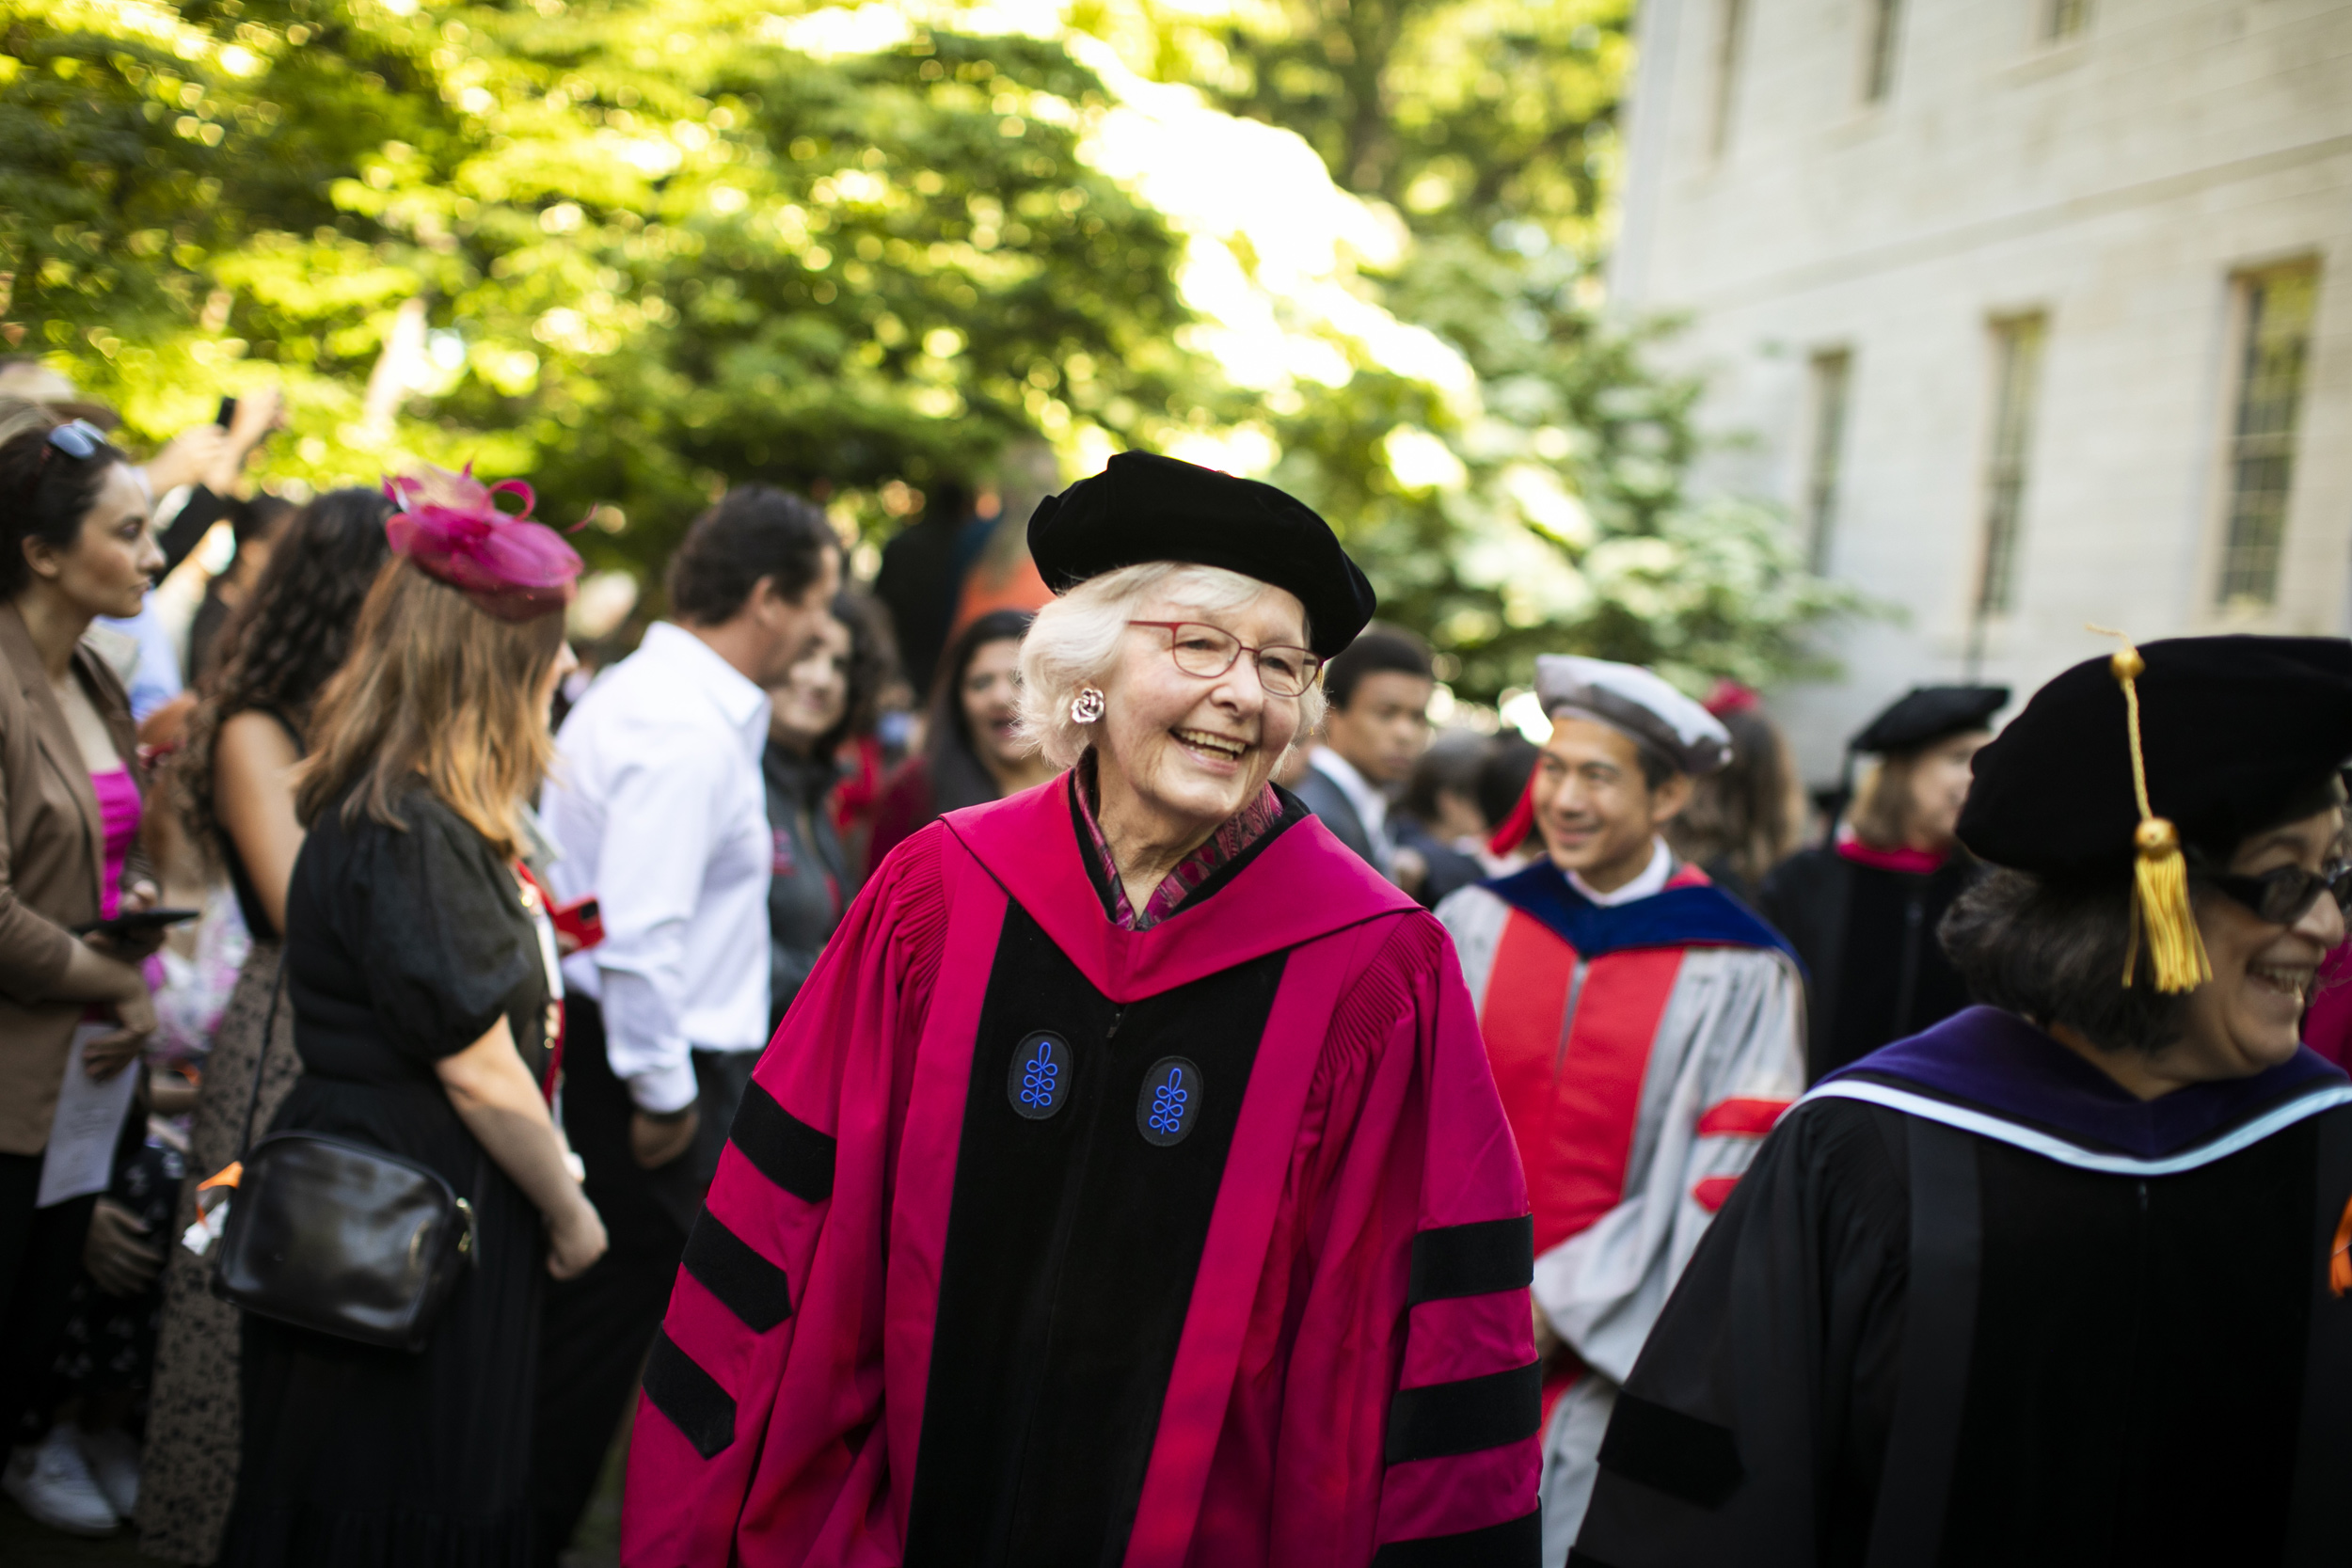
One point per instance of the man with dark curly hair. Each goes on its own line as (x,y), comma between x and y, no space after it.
(661,813)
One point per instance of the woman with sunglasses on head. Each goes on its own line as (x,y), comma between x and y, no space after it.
(420,969)
(1127,1182)
(2064,1279)
(75,544)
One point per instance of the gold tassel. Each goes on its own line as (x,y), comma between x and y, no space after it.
(2160,903)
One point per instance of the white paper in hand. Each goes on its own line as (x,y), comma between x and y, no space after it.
(81,1155)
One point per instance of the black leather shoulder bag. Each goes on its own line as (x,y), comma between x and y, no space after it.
(334,1235)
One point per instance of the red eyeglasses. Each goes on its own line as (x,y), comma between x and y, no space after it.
(1208,652)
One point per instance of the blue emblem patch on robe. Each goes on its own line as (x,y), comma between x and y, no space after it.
(1038,1083)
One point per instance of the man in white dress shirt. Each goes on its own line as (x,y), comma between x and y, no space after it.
(658,809)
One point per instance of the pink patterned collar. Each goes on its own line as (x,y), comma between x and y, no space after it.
(1238,831)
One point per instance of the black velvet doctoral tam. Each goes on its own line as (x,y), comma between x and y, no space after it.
(1144,507)
(2239,733)
(1927,713)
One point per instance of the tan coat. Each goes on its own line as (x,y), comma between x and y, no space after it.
(52,855)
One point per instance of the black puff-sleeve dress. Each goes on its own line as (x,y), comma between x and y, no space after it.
(403,946)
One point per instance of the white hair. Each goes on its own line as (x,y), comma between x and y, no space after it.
(1074,642)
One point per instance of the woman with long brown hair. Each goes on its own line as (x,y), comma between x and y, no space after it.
(424,997)
(236,774)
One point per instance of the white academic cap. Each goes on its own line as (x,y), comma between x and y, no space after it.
(1629,698)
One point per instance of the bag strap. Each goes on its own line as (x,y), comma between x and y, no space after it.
(260,1058)
(1939,1327)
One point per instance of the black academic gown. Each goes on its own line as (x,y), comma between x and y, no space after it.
(1974,1304)
(1865,934)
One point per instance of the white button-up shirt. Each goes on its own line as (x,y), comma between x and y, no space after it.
(657,805)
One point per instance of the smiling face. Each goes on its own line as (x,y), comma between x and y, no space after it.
(810,699)
(991,694)
(1597,812)
(1195,750)
(113,560)
(2249,1015)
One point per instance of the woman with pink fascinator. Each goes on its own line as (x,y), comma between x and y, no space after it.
(421,976)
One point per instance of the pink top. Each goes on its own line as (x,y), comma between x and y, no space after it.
(118,813)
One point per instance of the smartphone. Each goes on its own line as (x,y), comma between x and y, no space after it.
(580,920)
(228,412)
(134,923)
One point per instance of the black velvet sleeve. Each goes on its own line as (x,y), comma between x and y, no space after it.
(447,946)
(1750,1433)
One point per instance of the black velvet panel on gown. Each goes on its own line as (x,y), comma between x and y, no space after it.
(2139,1362)
(1093,1147)
(2136,1378)
(402,947)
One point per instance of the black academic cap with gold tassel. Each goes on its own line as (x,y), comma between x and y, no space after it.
(2160,906)
(2241,734)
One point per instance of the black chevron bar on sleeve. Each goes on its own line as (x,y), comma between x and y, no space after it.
(787,1150)
(1464,1417)
(745,1283)
(689,1397)
(1473,1259)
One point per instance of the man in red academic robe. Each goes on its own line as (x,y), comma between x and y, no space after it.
(1645,1031)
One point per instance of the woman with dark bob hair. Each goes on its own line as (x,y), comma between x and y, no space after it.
(2063,1279)
(1126,1183)
(973,746)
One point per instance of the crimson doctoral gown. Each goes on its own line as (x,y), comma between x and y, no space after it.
(1039,1241)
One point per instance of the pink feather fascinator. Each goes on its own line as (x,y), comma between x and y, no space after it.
(451,525)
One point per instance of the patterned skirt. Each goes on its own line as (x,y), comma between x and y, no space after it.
(189,1474)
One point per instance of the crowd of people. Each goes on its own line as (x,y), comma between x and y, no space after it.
(1052,1056)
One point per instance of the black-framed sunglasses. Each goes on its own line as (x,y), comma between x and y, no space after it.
(1208,652)
(2284,897)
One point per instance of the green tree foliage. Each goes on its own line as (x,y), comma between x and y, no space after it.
(656,248)
(1546,506)
(637,249)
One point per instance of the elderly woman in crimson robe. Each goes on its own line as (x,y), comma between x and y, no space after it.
(1126,1185)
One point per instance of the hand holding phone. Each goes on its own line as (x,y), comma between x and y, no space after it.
(133,924)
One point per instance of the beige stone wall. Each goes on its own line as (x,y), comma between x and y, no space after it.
(2117,183)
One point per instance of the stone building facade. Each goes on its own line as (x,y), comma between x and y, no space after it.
(2032,312)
